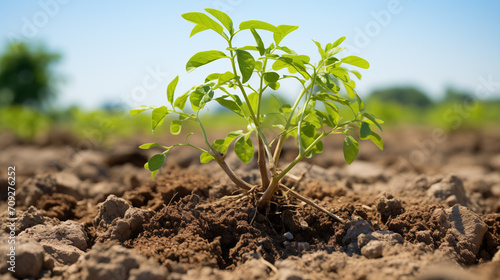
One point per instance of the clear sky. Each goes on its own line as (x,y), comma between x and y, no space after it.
(130,50)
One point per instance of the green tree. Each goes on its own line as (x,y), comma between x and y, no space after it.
(402,95)
(26,75)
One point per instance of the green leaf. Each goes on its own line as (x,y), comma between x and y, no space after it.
(271,77)
(274,86)
(140,109)
(150,145)
(364,131)
(308,135)
(258,40)
(244,149)
(224,78)
(322,96)
(340,73)
(200,96)
(286,49)
(356,61)
(229,104)
(254,100)
(249,48)
(257,24)
(338,42)
(373,120)
(203,58)
(332,114)
(180,102)
(206,157)
(377,140)
(222,145)
(282,31)
(156,162)
(171,89)
(350,148)
(197,29)
(349,88)
(204,21)
(175,127)
(246,63)
(223,18)
(358,75)
(361,104)
(320,50)
(212,77)
(331,60)
(157,116)
(330,53)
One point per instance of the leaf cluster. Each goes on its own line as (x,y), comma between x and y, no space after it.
(255,69)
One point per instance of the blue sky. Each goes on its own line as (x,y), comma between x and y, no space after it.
(128,51)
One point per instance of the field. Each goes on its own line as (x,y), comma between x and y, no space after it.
(427,207)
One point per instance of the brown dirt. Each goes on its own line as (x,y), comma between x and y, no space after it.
(201,228)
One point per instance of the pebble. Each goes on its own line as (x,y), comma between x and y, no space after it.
(288,235)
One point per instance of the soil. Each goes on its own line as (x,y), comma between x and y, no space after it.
(427,207)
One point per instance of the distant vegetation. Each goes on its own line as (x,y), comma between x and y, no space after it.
(458,109)
(27,76)
(405,96)
(28,86)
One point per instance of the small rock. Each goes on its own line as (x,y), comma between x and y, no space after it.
(107,261)
(354,229)
(388,237)
(389,206)
(373,249)
(29,218)
(449,186)
(117,219)
(28,260)
(288,235)
(112,208)
(65,242)
(424,236)
(34,188)
(464,232)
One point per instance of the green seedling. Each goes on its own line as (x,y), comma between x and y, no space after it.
(256,70)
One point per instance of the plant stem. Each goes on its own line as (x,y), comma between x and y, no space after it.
(299,124)
(261,162)
(268,194)
(229,172)
(281,140)
(261,156)
(255,118)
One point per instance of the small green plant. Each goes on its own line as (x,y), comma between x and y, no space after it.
(252,71)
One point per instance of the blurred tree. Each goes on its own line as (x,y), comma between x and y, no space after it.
(401,95)
(455,96)
(26,75)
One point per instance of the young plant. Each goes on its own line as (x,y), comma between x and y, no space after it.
(252,72)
